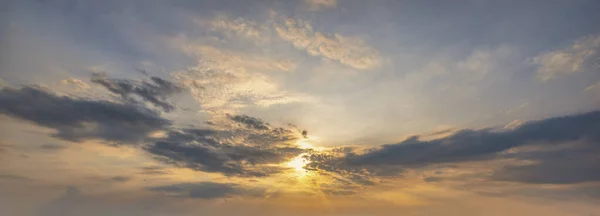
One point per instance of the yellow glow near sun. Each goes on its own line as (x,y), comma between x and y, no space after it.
(298,163)
(307,143)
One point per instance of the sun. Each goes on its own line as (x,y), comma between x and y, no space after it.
(298,163)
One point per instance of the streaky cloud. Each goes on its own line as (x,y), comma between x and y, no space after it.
(156,91)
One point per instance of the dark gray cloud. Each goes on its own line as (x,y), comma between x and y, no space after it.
(250,122)
(76,119)
(469,145)
(575,164)
(120,179)
(205,150)
(334,161)
(209,190)
(563,166)
(156,91)
(13,177)
(52,147)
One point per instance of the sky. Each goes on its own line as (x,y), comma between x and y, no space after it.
(320,107)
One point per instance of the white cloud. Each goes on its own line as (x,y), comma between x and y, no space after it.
(77,84)
(565,61)
(349,51)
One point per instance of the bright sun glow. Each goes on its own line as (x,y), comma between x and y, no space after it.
(307,143)
(298,163)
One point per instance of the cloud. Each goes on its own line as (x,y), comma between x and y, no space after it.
(74,202)
(237,152)
(239,27)
(513,124)
(349,51)
(235,145)
(565,166)
(319,4)
(77,119)
(154,170)
(577,163)
(154,91)
(566,61)
(120,178)
(249,121)
(223,91)
(469,145)
(231,61)
(52,147)
(79,85)
(593,87)
(209,190)
(13,177)
(226,80)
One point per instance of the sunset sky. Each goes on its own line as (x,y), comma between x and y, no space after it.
(299,107)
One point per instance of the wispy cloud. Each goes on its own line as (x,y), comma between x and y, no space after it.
(154,91)
(350,51)
(569,60)
(224,81)
(319,4)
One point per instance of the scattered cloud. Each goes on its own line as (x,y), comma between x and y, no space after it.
(230,61)
(154,91)
(239,27)
(209,190)
(248,151)
(227,80)
(349,51)
(566,61)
